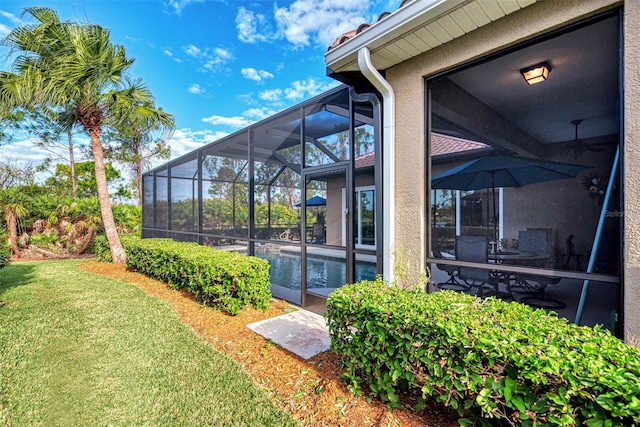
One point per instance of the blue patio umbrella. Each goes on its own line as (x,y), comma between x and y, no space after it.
(503,171)
(314,201)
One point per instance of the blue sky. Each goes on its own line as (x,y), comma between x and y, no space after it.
(216,65)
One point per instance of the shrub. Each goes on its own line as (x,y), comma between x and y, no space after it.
(5,253)
(100,245)
(226,280)
(484,358)
(45,240)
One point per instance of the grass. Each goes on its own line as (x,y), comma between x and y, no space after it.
(83,349)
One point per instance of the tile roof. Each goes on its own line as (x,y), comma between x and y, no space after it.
(440,145)
(443,144)
(366,160)
(350,34)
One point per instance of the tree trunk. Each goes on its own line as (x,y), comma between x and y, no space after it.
(90,236)
(72,161)
(118,254)
(12,228)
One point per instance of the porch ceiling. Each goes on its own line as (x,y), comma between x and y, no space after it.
(492,102)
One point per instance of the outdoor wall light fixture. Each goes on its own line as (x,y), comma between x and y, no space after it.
(537,73)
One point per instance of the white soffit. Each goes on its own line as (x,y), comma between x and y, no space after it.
(417,27)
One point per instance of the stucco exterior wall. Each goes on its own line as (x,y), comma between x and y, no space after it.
(407,80)
(631,173)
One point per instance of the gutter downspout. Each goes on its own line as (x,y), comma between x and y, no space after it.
(388,160)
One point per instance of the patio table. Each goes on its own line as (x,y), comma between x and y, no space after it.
(513,257)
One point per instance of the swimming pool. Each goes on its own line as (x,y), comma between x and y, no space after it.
(322,272)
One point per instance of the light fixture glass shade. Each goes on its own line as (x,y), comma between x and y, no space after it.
(536,74)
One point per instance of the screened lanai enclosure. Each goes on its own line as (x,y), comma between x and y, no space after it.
(298,189)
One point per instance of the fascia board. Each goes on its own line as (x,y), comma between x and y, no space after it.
(402,21)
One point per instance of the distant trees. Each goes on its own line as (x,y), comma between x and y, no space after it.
(60,183)
(137,140)
(13,174)
(74,70)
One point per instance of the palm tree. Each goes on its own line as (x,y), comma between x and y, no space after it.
(75,69)
(12,205)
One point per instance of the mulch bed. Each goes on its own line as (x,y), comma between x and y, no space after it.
(309,390)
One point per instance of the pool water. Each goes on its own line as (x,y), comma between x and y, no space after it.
(322,272)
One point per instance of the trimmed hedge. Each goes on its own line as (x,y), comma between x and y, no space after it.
(100,245)
(226,280)
(484,358)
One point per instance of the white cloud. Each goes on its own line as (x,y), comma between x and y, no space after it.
(259,113)
(196,89)
(16,21)
(271,95)
(179,5)
(168,52)
(320,21)
(307,88)
(305,22)
(247,117)
(233,122)
(210,59)
(223,53)
(192,50)
(4,30)
(249,24)
(25,152)
(186,140)
(256,75)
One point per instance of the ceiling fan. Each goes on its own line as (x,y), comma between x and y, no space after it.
(577,147)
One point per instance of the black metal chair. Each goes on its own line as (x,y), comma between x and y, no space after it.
(571,254)
(452,283)
(536,242)
(475,249)
(318,234)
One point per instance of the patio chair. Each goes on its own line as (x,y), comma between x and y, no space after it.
(452,283)
(475,249)
(535,241)
(317,234)
(571,254)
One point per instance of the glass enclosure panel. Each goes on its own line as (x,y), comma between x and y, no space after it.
(277,202)
(285,270)
(147,201)
(330,149)
(225,195)
(184,196)
(326,263)
(364,141)
(217,191)
(184,204)
(365,213)
(162,202)
(336,146)
(317,213)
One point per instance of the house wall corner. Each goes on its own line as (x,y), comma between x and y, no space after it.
(631,173)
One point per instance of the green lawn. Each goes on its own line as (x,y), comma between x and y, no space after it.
(78,349)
